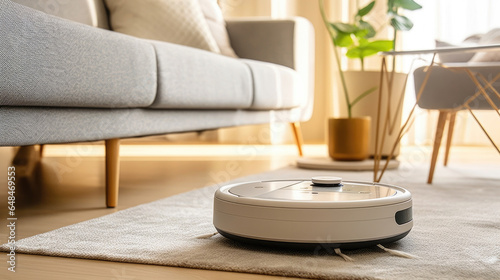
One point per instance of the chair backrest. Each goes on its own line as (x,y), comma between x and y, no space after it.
(90,12)
(448,88)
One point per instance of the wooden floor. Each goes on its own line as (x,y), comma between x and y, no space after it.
(67,188)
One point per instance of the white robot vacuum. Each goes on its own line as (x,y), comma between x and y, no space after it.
(322,211)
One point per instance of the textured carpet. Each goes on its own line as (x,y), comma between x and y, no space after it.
(456,233)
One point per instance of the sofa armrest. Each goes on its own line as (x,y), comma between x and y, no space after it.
(288,42)
(271,40)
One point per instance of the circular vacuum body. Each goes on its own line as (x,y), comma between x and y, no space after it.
(322,211)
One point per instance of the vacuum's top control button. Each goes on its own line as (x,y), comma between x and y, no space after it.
(326,180)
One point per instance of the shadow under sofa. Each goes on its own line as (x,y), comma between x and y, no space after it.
(63,81)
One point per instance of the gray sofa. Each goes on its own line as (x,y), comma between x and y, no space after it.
(71,80)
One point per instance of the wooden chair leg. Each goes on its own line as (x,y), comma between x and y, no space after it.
(297,133)
(112,171)
(437,143)
(451,125)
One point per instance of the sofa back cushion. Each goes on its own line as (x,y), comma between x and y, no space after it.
(175,21)
(217,25)
(48,61)
(90,12)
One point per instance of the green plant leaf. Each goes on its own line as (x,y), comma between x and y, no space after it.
(361,34)
(343,40)
(369,49)
(390,5)
(365,10)
(344,27)
(381,45)
(361,52)
(401,23)
(363,42)
(367,28)
(355,52)
(407,4)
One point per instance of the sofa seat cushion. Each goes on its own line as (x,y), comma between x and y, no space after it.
(38,125)
(52,62)
(275,86)
(190,78)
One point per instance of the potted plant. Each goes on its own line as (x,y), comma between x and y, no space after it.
(358,38)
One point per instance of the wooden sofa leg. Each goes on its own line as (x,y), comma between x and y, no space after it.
(25,160)
(297,133)
(437,143)
(451,126)
(40,150)
(112,171)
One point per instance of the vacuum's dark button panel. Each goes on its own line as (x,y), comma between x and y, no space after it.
(404,216)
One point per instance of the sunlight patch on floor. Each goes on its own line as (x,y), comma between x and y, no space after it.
(184,150)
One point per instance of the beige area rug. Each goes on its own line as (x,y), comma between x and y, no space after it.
(456,233)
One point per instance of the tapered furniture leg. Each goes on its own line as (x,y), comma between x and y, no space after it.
(40,151)
(437,143)
(112,171)
(297,133)
(25,160)
(451,125)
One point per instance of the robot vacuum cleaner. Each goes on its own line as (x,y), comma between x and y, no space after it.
(322,211)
